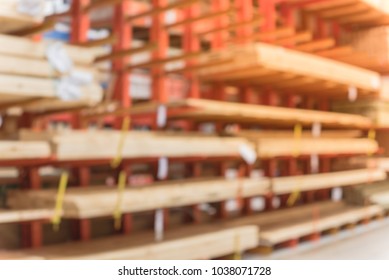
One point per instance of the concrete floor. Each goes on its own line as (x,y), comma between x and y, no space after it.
(368,242)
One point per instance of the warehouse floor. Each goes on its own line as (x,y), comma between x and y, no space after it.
(369,242)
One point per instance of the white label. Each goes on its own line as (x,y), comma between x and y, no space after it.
(257,203)
(34,8)
(58,57)
(248,154)
(316,130)
(161,116)
(81,77)
(352,93)
(314,160)
(158,225)
(231,174)
(232,205)
(163,168)
(337,194)
(67,90)
(170,17)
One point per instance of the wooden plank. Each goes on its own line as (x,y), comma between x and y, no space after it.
(190,242)
(75,145)
(209,110)
(10,150)
(24,47)
(259,134)
(264,57)
(18,216)
(268,147)
(101,201)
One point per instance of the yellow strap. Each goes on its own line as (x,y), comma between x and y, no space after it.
(125,127)
(117,215)
(238,253)
(372,136)
(298,131)
(63,182)
(295,195)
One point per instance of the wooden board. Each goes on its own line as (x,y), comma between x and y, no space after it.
(15,89)
(274,134)
(23,47)
(18,216)
(287,224)
(209,110)
(101,201)
(190,242)
(84,145)
(268,147)
(377,193)
(12,20)
(305,73)
(10,150)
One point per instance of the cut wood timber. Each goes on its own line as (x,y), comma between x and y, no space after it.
(377,193)
(101,201)
(10,150)
(18,216)
(190,242)
(260,134)
(11,19)
(361,13)
(276,147)
(84,145)
(23,47)
(15,89)
(254,63)
(209,110)
(293,223)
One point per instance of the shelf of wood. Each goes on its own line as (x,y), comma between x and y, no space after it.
(95,202)
(190,242)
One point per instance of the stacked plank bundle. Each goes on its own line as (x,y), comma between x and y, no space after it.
(44,76)
(16,15)
(377,193)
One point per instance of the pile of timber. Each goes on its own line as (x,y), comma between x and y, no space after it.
(203,110)
(104,144)
(376,110)
(190,242)
(377,193)
(14,150)
(46,76)
(102,201)
(16,15)
(293,223)
(360,13)
(261,63)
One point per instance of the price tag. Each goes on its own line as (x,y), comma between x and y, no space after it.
(163,168)
(158,225)
(63,182)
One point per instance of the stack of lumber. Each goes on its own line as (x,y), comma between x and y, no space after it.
(209,110)
(31,75)
(294,223)
(84,145)
(13,150)
(361,13)
(377,193)
(190,242)
(101,201)
(260,63)
(16,15)
(377,110)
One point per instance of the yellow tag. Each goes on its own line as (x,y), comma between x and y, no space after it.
(117,215)
(63,182)
(125,127)
(238,253)
(298,131)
